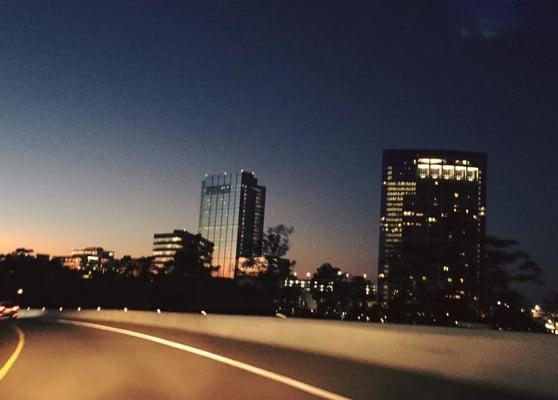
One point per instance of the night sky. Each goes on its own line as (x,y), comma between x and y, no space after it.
(111,113)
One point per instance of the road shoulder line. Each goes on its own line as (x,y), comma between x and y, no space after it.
(313,390)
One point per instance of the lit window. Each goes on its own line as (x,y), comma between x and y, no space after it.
(435,171)
(423,170)
(460,173)
(448,171)
(472,173)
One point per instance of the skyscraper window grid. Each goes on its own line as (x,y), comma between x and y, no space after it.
(432,232)
(231,216)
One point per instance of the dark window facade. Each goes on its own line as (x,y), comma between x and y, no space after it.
(432,234)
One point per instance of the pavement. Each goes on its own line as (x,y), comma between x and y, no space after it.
(61,361)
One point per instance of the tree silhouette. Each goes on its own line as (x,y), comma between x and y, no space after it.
(328,294)
(275,245)
(551,302)
(276,241)
(506,267)
(339,295)
(189,265)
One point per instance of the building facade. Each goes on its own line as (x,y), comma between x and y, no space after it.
(166,245)
(432,234)
(232,216)
(91,259)
(312,285)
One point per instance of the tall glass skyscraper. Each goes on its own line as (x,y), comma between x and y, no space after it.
(432,234)
(232,217)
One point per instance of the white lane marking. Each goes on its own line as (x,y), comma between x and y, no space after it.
(324,394)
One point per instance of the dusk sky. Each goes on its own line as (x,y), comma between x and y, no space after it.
(111,113)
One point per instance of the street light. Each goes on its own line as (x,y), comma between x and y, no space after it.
(19,291)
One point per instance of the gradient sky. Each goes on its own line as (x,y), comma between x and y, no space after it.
(112,112)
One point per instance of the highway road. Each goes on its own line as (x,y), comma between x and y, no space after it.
(48,360)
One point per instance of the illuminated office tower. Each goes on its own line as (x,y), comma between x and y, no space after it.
(432,234)
(232,216)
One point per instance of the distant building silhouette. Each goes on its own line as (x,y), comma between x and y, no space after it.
(93,252)
(432,234)
(42,257)
(232,216)
(68,262)
(23,252)
(166,245)
(89,260)
(310,285)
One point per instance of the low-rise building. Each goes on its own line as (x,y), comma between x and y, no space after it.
(88,259)
(166,245)
(311,285)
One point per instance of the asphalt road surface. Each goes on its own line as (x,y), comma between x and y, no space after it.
(60,361)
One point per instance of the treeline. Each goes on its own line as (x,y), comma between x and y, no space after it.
(187,285)
(47,284)
(329,293)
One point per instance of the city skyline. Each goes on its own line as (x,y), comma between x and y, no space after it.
(109,121)
(278,199)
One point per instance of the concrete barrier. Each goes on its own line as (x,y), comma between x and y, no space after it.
(520,362)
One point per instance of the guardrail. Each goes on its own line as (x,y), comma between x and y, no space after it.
(521,362)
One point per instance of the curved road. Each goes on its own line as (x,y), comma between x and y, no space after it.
(62,361)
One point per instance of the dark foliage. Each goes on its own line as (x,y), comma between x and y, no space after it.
(189,287)
(506,269)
